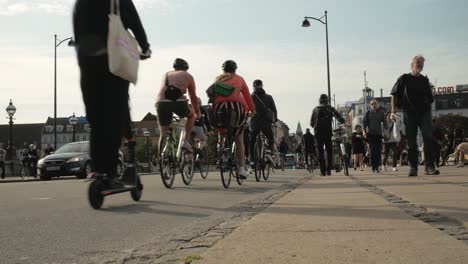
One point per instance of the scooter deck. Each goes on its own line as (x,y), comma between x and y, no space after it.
(127,188)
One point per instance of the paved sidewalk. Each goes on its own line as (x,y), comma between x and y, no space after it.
(340,219)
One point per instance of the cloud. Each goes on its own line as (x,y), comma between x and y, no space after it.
(64,7)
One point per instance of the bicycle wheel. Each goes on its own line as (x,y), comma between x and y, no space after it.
(166,166)
(266,171)
(95,197)
(257,162)
(234,171)
(203,163)
(188,164)
(224,164)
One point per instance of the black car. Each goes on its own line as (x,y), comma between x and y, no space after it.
(70,159)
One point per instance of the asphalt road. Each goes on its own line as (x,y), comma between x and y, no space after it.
(52,222)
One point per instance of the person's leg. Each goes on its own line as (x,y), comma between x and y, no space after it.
(378,156)
(116,122)
(426,131)
(361,161)
(437,148)
(411,126)
(92,80)
(395,154)
(386,153)
(164,120)
(328,146)
(373,152)
(241,153)
(269,135)
(355,159)
(320,144)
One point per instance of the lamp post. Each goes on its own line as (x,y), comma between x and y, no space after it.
(11,110)
(73,122)
(57,43)
(147,134)
(306,23)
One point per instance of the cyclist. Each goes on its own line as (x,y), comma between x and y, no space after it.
(283,150)
(309,147)
(172,100)
(263,120)
(239,103)
(321,121)
(201,126)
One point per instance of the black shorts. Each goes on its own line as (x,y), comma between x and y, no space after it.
(165,111)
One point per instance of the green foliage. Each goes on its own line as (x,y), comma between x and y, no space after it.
(141,149)
(452,121)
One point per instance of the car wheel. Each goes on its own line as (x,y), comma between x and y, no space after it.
(86,171)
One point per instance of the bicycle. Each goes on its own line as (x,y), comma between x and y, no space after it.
(227,153)
(340,137)
(201,158)
(262,166)
(174,157)
(311,161)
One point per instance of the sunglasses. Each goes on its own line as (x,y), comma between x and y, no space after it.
(372,103)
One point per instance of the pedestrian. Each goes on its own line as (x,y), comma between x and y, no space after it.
(48,150)
(105,95)
(390,144)
(373,121)
(283,150)
(358,147)
(2,160)
(460,152)
(412,93)
(309,147)
(32,157)
(321,121)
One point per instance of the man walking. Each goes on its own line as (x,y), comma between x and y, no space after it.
(373,120)
(321,121)
(413,94)
(309,147)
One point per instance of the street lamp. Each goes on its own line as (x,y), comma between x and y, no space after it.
(73,122)
(57,43)
(306,23)
(147,134)
(11,110)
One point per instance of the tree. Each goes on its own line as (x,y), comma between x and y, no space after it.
(451,121)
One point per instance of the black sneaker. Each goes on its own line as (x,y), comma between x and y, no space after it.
(329,173)
(413,173)
(432,171)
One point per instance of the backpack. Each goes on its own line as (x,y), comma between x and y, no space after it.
(323,118)
(172,92)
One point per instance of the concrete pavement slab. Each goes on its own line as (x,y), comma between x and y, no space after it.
(317,224)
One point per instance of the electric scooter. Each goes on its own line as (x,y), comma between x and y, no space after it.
(98,189)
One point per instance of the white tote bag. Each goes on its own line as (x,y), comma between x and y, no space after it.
(122,48)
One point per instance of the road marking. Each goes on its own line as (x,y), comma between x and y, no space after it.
(41,199)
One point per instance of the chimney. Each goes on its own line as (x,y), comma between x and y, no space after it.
(381,93)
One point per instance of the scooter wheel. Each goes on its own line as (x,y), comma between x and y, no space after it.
(96,199)
(137,192)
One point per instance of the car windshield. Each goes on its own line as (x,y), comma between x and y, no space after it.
(74,148)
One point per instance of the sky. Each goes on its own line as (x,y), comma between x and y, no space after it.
(264,37)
